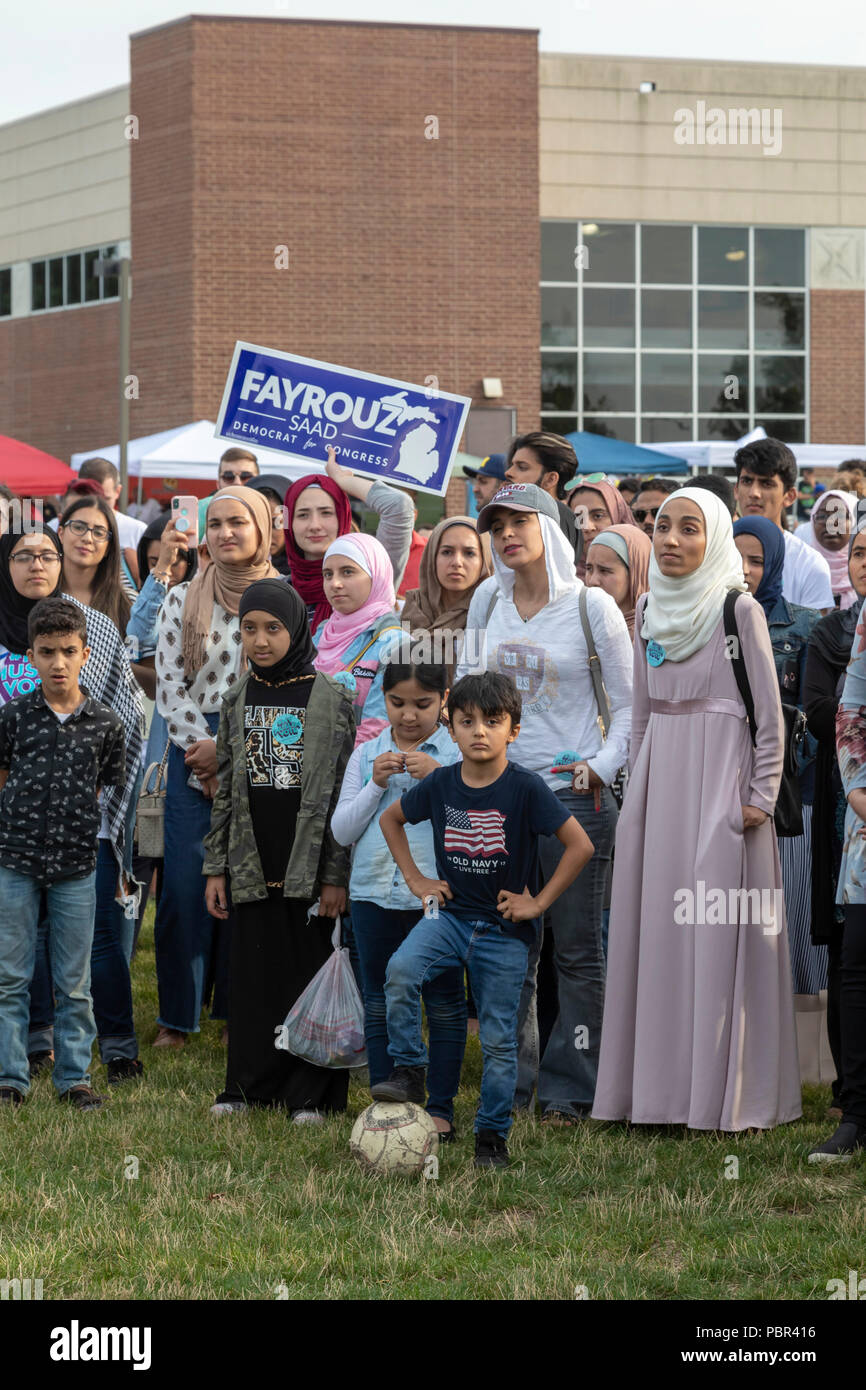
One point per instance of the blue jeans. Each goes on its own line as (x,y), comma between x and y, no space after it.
(378,933)
(568,1070)
(109,964)
(496,964)
(71,905)
(191,946)
(41,1034)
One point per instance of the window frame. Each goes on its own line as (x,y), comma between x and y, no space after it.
(111,250)
(751,287)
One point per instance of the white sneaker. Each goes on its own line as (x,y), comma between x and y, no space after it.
(227,1107)
(308,1117)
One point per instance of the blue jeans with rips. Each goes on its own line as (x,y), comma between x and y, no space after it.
(71,907)
(496,965)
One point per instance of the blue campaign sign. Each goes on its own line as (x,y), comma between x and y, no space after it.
(380,427)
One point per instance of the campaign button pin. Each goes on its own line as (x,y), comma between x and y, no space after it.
(655,653)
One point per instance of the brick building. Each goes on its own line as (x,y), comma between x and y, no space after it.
(451,204)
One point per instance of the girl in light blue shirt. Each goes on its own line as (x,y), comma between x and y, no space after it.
(383,910)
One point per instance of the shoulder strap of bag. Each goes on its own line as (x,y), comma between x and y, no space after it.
(594,665)
(494,599)
(736,656)
(158,788)
(377,633)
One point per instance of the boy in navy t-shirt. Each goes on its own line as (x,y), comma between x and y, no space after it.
(487,815)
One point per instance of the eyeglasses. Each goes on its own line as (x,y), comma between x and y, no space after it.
(231,477)
(81,528)
(40,557)
(640,514)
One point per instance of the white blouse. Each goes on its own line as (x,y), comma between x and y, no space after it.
(184,703)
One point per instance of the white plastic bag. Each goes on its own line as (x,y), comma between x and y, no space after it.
(325,1025)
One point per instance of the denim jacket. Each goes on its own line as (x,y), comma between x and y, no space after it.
(362,673)
(143,625)
(790,627)
(375,877)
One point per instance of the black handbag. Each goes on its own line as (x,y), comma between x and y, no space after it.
(788,816)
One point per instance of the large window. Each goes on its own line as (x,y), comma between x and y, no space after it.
(65,282)
(653,331)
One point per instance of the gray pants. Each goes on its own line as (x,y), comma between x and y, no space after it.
(566,1074)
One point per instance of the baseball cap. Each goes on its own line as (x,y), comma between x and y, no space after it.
(519,497)
(491,467)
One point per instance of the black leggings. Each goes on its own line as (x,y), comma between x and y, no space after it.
(852,1015)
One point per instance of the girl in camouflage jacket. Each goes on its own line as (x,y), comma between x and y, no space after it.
(285,736)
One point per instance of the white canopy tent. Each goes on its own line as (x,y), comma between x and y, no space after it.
(717,455)
(190,452)
(194,453)
(135,450)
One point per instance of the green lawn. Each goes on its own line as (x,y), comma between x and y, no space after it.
(248,1207)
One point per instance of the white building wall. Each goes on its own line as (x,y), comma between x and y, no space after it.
(64,180)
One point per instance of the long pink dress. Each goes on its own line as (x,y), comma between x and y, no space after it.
(699,1015)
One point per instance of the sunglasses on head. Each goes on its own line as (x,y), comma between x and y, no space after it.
(229,476)
(640,514)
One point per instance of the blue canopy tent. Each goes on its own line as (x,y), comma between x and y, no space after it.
(596,453)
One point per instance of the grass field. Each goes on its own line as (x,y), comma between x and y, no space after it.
(249,1207)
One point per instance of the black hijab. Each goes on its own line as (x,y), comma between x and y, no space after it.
(154,533)
(277,597)
(273,485)
(833,636)
(15,609)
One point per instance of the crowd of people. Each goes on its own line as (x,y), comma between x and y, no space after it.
(586,771)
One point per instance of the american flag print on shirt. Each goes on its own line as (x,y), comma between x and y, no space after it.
(474,832)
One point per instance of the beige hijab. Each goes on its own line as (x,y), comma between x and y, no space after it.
(224,584)
(423,609)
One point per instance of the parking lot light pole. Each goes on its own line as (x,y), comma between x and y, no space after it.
(107,268)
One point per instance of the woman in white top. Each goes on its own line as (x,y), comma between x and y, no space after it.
(198,658)
(531,616)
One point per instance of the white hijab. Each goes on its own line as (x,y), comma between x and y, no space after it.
(681,614)
(558,560)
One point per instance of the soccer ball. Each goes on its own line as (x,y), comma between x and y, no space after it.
(396,1138)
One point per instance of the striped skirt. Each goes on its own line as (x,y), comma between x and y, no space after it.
(808,962)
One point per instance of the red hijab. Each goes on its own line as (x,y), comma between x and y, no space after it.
(307,574)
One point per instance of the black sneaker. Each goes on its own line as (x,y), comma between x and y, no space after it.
(404,1083)
(122,1069)
(491,1150)
(83,1098)
(40,1061)
(842,1146)
(10,1096)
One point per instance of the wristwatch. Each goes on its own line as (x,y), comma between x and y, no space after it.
(164,578)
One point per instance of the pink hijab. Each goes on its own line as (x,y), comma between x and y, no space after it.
(619,510)
(341,629)
(840,579)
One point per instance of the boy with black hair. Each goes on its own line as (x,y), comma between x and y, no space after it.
(484,910)
(548,461)
(58,748)
(767,486)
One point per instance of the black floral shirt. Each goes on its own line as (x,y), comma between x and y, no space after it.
(49,813)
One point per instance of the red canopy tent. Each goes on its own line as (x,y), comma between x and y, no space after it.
(29,472)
